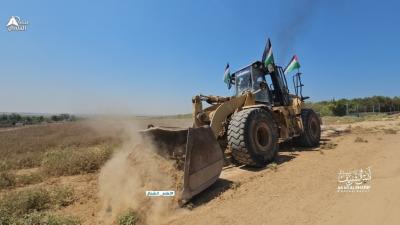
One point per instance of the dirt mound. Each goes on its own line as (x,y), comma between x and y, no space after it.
(124,180)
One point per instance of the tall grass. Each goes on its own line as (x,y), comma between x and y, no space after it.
(29,206)
(26,147)
(75,161)
(7,179)
(38,218)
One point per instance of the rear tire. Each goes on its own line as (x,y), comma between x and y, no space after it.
(312,129)
(253,137)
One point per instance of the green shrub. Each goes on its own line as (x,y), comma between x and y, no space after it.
(7,179)
(130,217)
(61,220)
(27,179)
(28,160)
(5,218)
(36,199)
(22,161)
(26,201)
(35,218)
(38,218)
(75,161)
(62,196)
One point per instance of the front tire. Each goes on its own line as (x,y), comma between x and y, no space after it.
(253,137)
(312,129)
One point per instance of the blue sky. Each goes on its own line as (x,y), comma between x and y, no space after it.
(151,57)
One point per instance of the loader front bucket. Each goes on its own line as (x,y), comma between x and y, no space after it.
(196,151)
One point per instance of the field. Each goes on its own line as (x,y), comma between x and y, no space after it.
(64,173)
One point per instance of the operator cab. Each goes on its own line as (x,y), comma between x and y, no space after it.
(270,88)
(250,78)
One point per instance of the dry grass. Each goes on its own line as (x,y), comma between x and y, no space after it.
(25,147)
(38,218)
(18,203)
(7,180)
(28,179)
(75,161)
(390,131)
(273,166)
(31,155)
(29,206)
(62,196)
(36,199)
(341,120)
(328,145)
(360,140)
(353,119)
(129,217)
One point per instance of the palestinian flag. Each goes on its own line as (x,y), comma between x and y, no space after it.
(268,57)
(227,76)
(293,65)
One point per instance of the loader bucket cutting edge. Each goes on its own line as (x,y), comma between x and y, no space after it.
(202,156)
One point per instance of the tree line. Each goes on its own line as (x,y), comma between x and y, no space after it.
(356,106)
(15,119)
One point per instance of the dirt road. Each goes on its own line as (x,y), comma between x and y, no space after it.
(302,187)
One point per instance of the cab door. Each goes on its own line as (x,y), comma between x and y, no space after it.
(258,77)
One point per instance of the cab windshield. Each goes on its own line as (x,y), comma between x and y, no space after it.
(243,82)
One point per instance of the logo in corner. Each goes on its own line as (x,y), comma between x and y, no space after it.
(355,181)
(15,23)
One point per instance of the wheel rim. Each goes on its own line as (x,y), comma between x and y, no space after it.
(262,137)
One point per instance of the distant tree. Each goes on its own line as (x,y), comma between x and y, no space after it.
(4,118)
(28,120)
(55,118)
(339,108)
(356,105)
(64,117)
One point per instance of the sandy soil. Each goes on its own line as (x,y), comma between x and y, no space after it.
(302,189)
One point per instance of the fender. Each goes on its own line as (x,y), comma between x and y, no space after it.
(227,108)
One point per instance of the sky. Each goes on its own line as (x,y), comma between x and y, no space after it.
(151,57)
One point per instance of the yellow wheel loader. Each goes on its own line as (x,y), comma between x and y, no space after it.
(250,125)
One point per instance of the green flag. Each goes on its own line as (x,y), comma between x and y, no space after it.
(293,65)
(268,57)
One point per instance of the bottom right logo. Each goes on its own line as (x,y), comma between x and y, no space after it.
(355,180)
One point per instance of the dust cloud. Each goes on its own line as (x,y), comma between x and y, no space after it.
(134,169)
